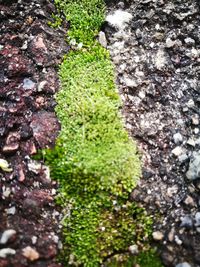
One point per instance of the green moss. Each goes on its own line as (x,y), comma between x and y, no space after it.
(85,16)
(56,21)
(148,258)
(94,160)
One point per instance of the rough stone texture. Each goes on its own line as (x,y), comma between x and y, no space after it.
(157,59)
(29,53)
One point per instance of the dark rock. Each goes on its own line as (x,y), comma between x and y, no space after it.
(45,128)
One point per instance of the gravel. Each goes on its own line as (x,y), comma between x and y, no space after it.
(156,53)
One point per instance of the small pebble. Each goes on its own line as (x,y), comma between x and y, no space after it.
(4,252)
(133,249)
(197,219)
(186,222)
(178,240)
(11,211)
(158,235)
(30,253)
(178,138)
(177,151)
(6,236)
(183,264)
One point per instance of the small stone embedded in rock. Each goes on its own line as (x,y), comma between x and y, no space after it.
(12,143)
(191,142)
(102,39)
(189,41)
(4,252)
(4,165)
(42,85)
(178,138)
(183,264)
(7,235)
(30,253)
(158,236)
(197,219)
(195,120)
(133,249)
(193,172)
(28,84)
(177,151)
(11,211)
(130,82)
(186,222)
(178,240)
(119,19)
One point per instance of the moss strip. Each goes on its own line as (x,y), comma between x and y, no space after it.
(94,160)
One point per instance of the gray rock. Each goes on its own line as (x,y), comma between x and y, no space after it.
(197,219)
(102,39)
(177,151)
(189,41)
(186,222)
(193,172)
(183,264)
(178,138)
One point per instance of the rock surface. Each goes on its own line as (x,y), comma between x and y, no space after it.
(156,51)
(29,53)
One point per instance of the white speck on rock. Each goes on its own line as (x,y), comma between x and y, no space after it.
(183,264)
(119,19)
(6,236)
(178,240)
(194,167)
(11,211)
(4,252)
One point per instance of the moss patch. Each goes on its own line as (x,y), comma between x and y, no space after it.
(94,160)
(144,259)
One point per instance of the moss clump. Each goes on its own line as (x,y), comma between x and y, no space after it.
(94,160)
(85,17)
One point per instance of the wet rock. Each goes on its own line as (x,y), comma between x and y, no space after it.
(45,128)
(6,236)
(30,253)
